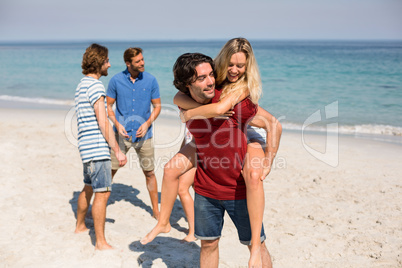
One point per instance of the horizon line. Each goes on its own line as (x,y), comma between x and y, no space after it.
(55,41)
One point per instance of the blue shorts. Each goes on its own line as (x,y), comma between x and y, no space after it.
(98,174)
(209,212)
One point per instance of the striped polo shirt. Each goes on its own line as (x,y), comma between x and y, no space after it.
(91,143)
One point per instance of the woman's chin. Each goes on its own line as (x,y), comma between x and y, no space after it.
(233,79)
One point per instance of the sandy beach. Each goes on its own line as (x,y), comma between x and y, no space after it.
(316,215)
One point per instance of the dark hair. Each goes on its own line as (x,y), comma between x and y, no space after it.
(184,69)
(93,59)
(131,53)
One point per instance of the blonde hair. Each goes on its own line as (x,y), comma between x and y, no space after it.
(250,81)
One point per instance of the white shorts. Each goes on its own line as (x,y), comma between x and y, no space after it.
(187,136)
(256,134)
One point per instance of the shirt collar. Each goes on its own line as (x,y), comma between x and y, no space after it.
(127,73)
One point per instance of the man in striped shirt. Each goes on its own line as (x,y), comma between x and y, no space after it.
(95,135)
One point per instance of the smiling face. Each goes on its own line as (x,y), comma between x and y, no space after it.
(237,67)
(202,90)
(137,64)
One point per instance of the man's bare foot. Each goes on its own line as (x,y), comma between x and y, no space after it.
(159,228)
(105,246)
(189,238)
(81,229)
(255,257)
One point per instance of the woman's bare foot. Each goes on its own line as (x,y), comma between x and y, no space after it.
(105,246)
(81,229)
(189,238)
(159,228)
(255,257)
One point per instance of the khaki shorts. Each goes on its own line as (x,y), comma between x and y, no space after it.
(144,149)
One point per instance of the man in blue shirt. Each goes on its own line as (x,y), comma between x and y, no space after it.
(133,91)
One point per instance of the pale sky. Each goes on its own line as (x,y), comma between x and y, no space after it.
(121,20)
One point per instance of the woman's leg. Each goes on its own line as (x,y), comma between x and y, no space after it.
(252,172)
(178,165)
(185,182)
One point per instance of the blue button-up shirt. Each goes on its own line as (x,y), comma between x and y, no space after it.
(133,100)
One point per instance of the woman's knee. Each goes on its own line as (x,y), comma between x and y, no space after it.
(183,191)
(253,178)
(170,171)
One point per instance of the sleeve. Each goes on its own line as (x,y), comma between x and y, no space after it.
(95,91)
(111,89)
(155,90)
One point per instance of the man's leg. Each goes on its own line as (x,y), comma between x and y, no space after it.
(152,187)
(145,152)
(208,221)
(99,216)
(82,208)
(265,257)
(209,256)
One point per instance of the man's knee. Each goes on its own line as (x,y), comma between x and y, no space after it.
(102,196)
(210,245)
(149,174)
(264,247)
(87,189)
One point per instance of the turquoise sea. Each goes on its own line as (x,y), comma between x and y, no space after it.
(359,82)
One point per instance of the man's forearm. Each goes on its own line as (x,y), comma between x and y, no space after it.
(155,113)
(157,106)
(274,132)
(273,127)
(111,115)
(104,125)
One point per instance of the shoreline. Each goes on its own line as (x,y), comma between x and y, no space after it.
(170,113)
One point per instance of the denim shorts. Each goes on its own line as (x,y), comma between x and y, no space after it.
(98,174)
(209,220)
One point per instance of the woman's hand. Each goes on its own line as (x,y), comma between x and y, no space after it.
(266,164)
(183,115)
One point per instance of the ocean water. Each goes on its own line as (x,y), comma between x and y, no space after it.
(306,84)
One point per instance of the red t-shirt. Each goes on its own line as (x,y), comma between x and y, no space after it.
(221,149)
